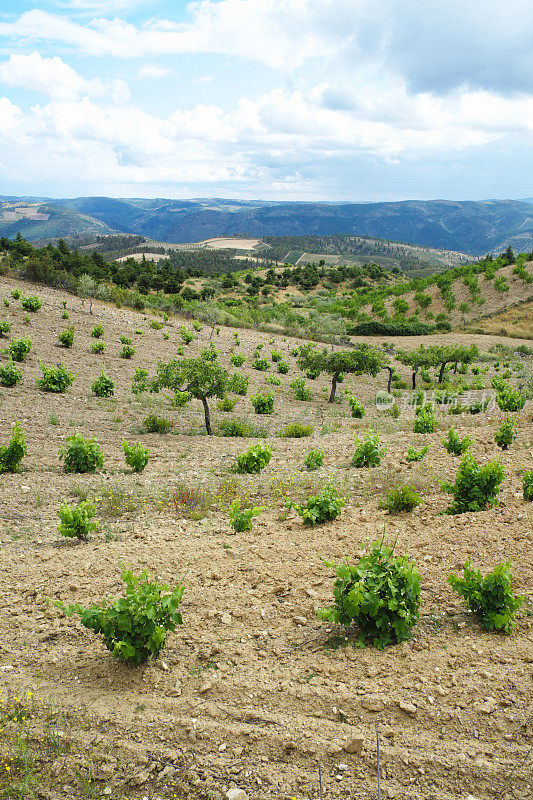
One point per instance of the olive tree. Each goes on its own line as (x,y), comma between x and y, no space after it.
(362,360)
(87,287)
(416,359)
(453,354)
(201,378)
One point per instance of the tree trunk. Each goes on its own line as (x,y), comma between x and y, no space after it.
(441,373)
(212,331)
(414,377)
(333,387)
(207,416)
(90,305)
(389,382)
(455,367)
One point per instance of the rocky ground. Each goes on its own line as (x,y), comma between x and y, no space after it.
(253,692)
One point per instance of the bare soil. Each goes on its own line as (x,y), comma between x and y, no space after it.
(254,691)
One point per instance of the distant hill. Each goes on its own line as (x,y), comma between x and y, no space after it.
(469,227)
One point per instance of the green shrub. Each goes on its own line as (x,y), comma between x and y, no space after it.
(283,367)
(97,332)
(124,339)
(296,431)
(301,392)
(475,487)
(136,456)
(15,294)
(367,451)
(313,373)
(226,404)
(276,356)
(76,520)
(19,349)
(135,626)
(416,455)
(98,347)
(375,328)
(65,315)
(261,364)
(241,519)
(66,337)
(319,508)
(81,455)
(238,383)
(263,403)
(9,374)
(507,398)
(401,498)
(454,445)
(491,598)
(425,420)
(154,424)
(186,335)
(506,434)
(357,408)
(394,411)
(314,459)
(12,454)
(55,379)
(238,360)
(254,459)
(273,380)
(156,325)
(197,325)
(127,351)
(235,427)
(5,327)
(239,428)
(527,485)
(380,594)
(103,386)
(478,406)
(32,303)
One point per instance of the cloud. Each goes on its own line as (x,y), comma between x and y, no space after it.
(385,84)
(51,76)
(436,47)
(283,137)
(279,33)
(482,44)
(153,71)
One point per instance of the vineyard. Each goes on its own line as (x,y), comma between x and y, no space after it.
(314,548)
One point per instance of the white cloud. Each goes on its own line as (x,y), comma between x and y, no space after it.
(385,83)
(275,139)
(152,71)
(280,33)
(203,79)
(51,76)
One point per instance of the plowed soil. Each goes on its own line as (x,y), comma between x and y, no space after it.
(254,691)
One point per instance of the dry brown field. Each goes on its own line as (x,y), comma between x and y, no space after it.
(254,691)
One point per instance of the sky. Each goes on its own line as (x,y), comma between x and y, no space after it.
(362,100)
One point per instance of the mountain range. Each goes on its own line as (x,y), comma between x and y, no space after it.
(472,227)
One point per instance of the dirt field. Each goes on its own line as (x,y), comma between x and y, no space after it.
(254,691)
(221,243)
(515,322)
